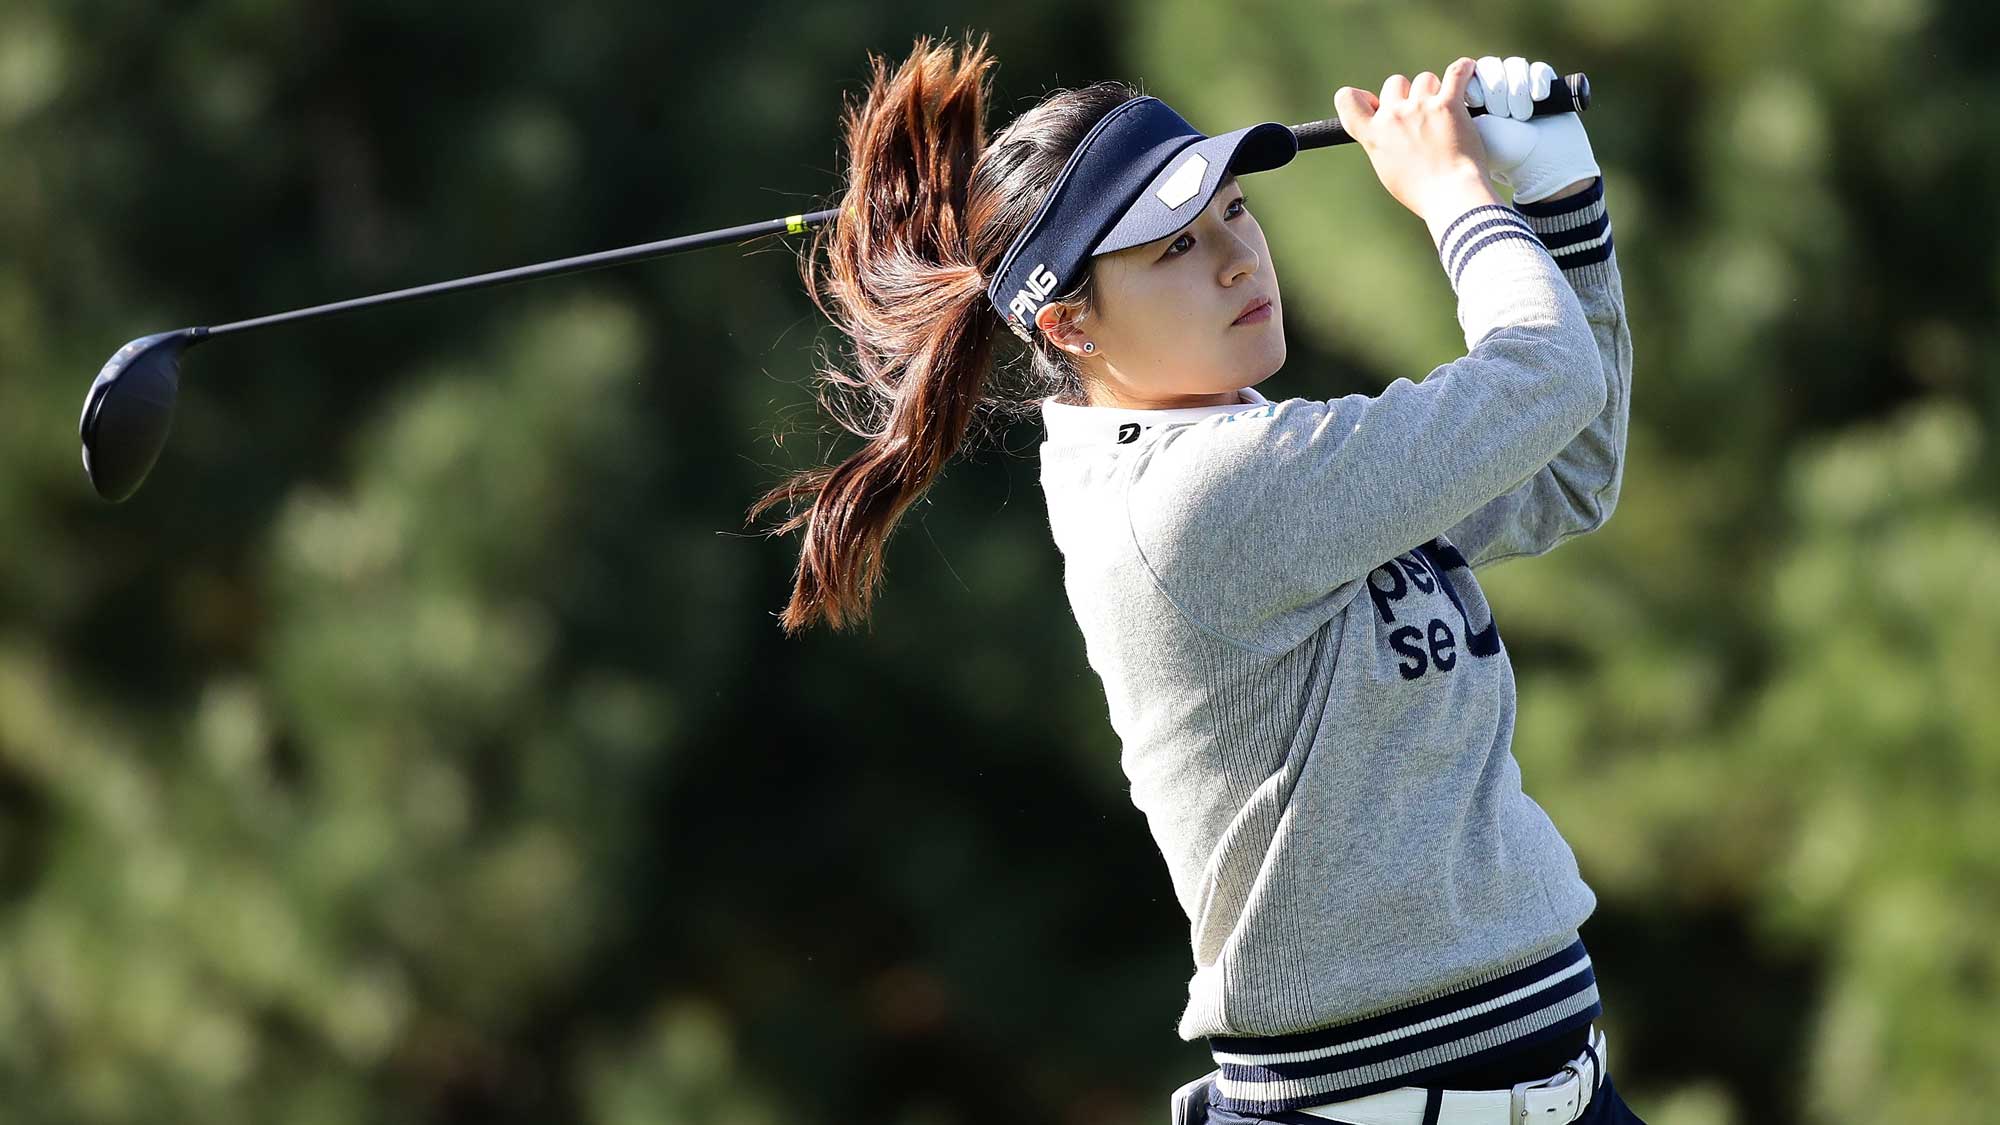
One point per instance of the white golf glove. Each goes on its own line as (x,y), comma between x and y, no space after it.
(1536,157)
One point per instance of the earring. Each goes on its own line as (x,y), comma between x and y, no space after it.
(1089,347)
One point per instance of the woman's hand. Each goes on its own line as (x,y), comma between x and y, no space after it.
(1547,157)
(1421,141)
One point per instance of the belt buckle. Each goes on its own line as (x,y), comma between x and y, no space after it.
(1517,1101)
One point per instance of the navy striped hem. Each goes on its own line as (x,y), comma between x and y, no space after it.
(1517,1008)
(1483,243)
(1478,228)
(1577,230)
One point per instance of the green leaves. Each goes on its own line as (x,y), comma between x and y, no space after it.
(420,746)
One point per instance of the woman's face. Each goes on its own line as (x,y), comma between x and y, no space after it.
(1162,324)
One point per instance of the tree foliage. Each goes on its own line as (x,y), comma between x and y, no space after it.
(420,746)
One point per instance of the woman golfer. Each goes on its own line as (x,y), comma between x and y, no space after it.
(1315,703)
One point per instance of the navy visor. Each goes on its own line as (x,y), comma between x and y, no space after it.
(1140,174)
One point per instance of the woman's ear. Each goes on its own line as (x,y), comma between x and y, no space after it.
(1059,325)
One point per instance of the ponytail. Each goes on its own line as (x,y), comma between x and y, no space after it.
(927,214)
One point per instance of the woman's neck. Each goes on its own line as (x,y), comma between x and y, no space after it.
(1102,396)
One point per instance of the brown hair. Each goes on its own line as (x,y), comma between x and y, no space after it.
(929,209)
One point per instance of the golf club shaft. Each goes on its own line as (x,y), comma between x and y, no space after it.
(1571,94)
(599,260)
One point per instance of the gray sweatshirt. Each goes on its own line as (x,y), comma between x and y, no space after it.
(1314,701)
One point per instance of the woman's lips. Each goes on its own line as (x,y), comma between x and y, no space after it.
(1255,316)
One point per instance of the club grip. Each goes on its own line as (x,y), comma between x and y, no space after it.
(1568,94)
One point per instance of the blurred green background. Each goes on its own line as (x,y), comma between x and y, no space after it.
(420,745)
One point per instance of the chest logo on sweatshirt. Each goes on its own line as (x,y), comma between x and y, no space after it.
(1128,432)
(1433,645)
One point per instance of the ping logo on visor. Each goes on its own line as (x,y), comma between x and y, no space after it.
(1028,302)
(1125,185)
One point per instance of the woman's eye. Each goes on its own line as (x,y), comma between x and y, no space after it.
(1172,253)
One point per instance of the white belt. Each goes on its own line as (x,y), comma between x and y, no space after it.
(1554,1100)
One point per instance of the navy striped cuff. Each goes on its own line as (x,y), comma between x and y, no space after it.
(1485,225)
(1281,1073)
(1577,230)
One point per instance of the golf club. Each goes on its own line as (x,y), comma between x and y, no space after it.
(130,406)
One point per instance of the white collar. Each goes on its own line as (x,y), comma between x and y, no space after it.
(1118,425)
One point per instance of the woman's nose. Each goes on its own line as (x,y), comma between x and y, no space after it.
(1241,264)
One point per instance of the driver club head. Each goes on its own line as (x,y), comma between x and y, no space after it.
(129,410)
